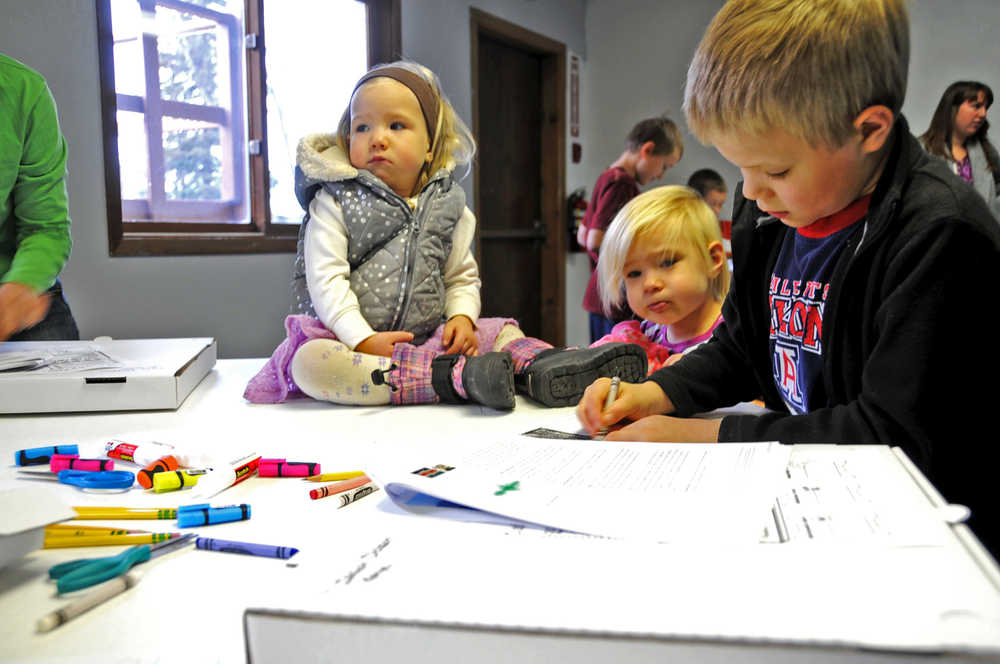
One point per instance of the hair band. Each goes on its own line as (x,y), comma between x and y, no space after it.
(417,85)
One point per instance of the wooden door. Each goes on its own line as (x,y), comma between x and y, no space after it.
(518,99)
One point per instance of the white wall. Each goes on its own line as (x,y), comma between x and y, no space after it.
(635,54)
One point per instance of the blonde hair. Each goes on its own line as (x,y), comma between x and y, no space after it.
(453,142)
(673,216)
(808,67)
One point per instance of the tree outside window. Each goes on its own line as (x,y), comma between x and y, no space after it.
(204,102)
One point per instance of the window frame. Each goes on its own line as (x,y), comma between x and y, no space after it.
(148,238)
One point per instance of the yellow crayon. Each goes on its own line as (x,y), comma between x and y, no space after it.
(92,513)
(333,477)
(106,540)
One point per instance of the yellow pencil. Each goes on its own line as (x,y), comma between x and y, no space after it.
(333,477)
(106,540)
(90,513)
(85,531)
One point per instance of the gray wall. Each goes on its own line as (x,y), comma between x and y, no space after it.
(635,53)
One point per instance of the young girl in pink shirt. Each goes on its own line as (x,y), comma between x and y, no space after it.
(663,254)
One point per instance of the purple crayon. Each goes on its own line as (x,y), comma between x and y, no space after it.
(249,548)
(282,468)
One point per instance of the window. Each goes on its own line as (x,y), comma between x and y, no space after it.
(203,103)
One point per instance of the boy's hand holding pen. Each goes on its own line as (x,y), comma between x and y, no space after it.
(604,405)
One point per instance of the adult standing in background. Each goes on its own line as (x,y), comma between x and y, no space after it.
(653,146)
(34,216)
(957,134)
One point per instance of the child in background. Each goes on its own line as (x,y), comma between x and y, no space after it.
(858,258)
(385,281)
(652,147)
(663,253)
(712,188)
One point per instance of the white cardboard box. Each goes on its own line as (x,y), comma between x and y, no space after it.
(100,375)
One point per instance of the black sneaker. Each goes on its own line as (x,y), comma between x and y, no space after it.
(558,376)
(488,379)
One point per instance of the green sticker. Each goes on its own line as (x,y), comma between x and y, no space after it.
(504,488)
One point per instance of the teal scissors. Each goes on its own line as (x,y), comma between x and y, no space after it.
(88,479)
(85,572)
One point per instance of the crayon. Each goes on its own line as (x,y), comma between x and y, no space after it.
(145,476)
(176,479)
(92,513)
(349,497)
(249,548)
(37,456)
(282,468)
(58,542)
(333,477)
(101,593)
(338,487)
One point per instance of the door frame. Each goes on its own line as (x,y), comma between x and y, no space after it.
(553,167)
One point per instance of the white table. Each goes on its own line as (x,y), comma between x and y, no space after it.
(190,605)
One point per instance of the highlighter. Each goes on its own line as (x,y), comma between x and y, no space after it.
(189,516)
(145,476)
(282,468)
(36,456)
(172,480)
(73,462)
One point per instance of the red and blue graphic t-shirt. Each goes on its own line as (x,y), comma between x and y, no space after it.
(799,287)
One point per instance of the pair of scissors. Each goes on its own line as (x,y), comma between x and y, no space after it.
(89,479)
(86,572)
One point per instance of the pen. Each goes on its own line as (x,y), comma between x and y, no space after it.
(333,477)
(92,513)
(612,395)
(63,542)
(103,592)
(249,548)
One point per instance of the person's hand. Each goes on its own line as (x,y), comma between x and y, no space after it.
(634,401)
(663,429)
(20,308)
(459,336)
(381,343)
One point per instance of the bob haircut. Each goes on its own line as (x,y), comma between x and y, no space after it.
(808,67)
(672,216)
(453,142)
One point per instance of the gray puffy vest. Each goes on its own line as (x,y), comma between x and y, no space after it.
(397,255)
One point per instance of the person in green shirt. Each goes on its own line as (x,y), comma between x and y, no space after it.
(34,217)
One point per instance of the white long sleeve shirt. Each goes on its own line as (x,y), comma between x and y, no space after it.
(328,272)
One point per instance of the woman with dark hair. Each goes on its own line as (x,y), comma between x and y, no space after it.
(958,135)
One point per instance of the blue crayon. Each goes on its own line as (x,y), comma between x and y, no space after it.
(36,456)
(206,515)
(249,548)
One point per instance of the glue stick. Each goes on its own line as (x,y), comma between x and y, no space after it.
(225,474)
(142,453)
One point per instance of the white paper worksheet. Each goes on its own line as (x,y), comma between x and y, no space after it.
(665,492)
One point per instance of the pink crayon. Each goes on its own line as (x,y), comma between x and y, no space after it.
(282,468)
(74,462)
